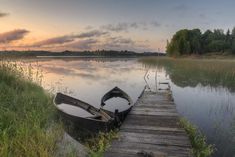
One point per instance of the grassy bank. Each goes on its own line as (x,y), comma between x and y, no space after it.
(29,123)
(28,127)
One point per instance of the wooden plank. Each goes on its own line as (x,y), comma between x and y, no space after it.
(157,132)
(152,126)
(153,152)
(156,121)
(182,138)
(136,152)
(149,147)
(129,148)
(156,109)
(154,104)
(153,113)
(145,139)
(120,154)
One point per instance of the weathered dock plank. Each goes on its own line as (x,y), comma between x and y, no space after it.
(151,129)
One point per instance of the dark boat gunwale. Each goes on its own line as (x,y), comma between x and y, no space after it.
(74,102)
(108,120)
(116,92)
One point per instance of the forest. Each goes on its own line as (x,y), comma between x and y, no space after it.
(96,53)
(189,42)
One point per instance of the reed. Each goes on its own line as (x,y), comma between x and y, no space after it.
(197,139)
(28,123)
(192,72)
(98,144)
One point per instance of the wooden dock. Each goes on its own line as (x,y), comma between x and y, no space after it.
(151,130)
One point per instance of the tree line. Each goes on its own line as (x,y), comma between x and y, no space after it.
(98,53)
(187,42)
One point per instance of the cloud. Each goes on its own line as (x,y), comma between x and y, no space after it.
(120,40)
(155,24)
(17,34)
(120,43)
(2,14)
(139,25)
(82,44)
(125,26)
(116,28)
(114,43)
(68,38)
(93,33)
(54,41)
(134,25)
(89,27)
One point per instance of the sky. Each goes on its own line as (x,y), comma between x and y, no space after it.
(77,25)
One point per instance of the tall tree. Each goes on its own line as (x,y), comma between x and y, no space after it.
(194,42)
(233,32)
(233,41)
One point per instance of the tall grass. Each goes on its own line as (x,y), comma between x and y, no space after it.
(198,140)
(28,127)
(98,144)
(191,72)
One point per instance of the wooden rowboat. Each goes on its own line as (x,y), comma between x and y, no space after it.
(101,119)
(117,92)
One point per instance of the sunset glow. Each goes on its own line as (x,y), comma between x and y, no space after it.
(59,25)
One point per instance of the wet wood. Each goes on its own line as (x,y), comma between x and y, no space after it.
(151,129)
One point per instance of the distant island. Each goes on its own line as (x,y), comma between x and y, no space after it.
(194,42)
(97,53)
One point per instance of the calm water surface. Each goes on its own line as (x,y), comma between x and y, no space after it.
(210,108)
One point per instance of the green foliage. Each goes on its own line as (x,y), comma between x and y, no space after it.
(233,46)
(198,140)
(100,143)
(27,124)
(233,32)
(217,46)
(187,42)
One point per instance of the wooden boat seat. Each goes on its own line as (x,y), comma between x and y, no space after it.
(96,117)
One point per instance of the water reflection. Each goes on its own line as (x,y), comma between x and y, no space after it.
(211,110)
(204,97)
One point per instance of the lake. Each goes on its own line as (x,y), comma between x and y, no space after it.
(206,97)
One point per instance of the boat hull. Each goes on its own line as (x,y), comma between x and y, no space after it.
(86,124)
(101,120)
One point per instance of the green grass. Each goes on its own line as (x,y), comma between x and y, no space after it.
(191,72)
(98,144)
(28,127)
(198,140)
